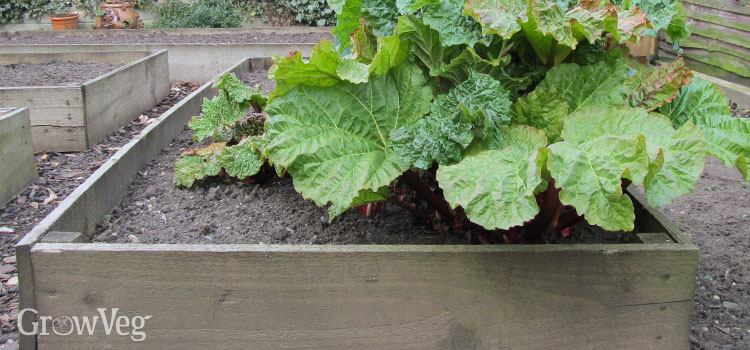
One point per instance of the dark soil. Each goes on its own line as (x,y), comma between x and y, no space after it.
(717,219)
(158,37)
(258,77)
(59,175)
(51,74)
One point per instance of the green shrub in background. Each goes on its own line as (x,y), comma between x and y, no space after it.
(288,12)
(16,10)
(198,14)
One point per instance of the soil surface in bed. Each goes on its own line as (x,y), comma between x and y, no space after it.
(157,211)
(156,37)
(51,74)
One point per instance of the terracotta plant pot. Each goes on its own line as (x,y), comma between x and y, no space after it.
(64,21)
(117,15)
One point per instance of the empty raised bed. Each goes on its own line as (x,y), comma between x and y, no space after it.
(74,116)
(16,153)
(195,55)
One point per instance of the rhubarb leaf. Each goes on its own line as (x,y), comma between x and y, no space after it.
(437,138)
(334,140)
(319,71)
(348,13)
(487,103)
(589,175)
(391,52)
(219,115)
(198,164)
(728,139)
(652,88)
(501,17)
(598,84)
(496,187)
(546,111)
(677,156)
(382,15)
(352,70)
(455,28)
(699,98)
(243,159)
(424,43)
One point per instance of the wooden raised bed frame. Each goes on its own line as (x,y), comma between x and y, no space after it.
(75,117)
(598,296)
(18,168)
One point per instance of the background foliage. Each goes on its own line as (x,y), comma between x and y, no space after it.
(198,14)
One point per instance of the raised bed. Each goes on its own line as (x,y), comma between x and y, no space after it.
(18,168)
(613,296)
(72,118)
(191,62)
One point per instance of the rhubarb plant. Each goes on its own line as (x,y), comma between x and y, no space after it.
(233,119)
(511,118)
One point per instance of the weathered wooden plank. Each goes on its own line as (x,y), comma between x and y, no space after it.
(713,45)
(734,6)
(63,237)
(116,98)
(99,57)
(722,33)
(721,60)
(48,138)
(717,16)
(18,168)
(666,54)
(374,297)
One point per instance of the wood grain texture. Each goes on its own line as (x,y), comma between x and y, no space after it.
(18,168)
(116,98)
(635,296)
(734,6)
(718,16)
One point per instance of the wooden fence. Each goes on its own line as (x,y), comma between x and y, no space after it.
(720,43)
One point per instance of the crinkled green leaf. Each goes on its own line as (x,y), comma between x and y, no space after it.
(240,93)
(382,15)
(728,139)
(651,88)
(198,164)
(543,110)
(352,70)
(424,43)
(391,52)
(454,27)
(497,16)
(677,156)
(631,24)
(334,140)
(699,98)
(438,137)
(320,70)
(588,86)
(219,115)
(413,5)
(590,177)
(487,103)
(667,15)
(348,13)
(242,160)
(496,187)
(336,5)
